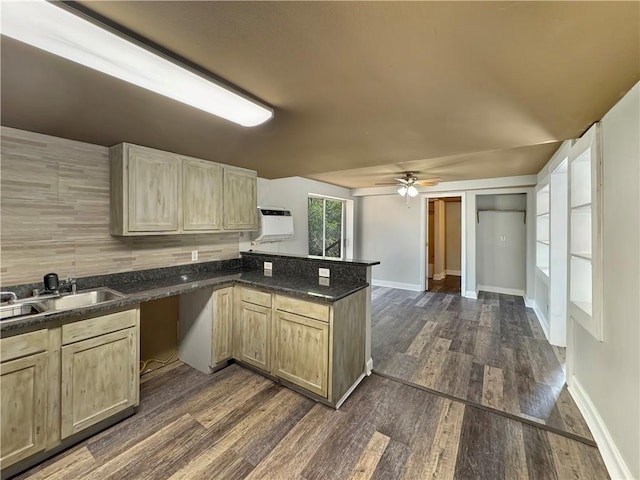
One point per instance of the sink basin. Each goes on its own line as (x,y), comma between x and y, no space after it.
(81,299)
(14,310)
(67,301)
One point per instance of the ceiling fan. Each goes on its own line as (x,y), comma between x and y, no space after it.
(408,182)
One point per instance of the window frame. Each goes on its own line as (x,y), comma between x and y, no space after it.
(343,218)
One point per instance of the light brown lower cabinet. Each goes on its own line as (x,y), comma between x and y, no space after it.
(254,323)
(222,330)
(302,352)
(58,382)
(99,379)
(318,347)
(24,407)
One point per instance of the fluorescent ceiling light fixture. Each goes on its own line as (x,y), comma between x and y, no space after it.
(58,31)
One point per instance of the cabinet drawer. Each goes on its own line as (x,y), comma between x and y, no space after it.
(302,307)
(256,296)
(23,345)
(74,332)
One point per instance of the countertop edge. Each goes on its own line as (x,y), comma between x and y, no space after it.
(23,325)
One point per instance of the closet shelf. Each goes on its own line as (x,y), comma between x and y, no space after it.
(499,210)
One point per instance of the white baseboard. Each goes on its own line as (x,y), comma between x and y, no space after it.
(506,291)
(528,302)
(403,286)
(613,460)
(369,366)
(542,320)
(471,294)
(457,273)
(439,276)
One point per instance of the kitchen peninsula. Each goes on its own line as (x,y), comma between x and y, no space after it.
(307,332)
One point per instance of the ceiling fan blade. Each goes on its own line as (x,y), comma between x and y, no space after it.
(429,182)
(394,184)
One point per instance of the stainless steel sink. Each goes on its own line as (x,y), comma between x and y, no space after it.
(51,303)
(14,310)
(81,299)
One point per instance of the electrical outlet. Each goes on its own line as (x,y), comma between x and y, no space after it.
(268,266)
(324,272)
(194,255)
(503,237)
(324,281)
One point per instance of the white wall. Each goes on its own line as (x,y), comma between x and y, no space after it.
(501,252)
(452,237)
(292,193)
(390,232)
(608,372)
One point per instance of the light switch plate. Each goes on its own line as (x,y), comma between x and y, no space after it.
(324,272)
(268,266)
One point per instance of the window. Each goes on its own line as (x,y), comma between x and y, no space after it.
(326,227)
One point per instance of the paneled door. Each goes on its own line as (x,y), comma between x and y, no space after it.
(99,379)
(201,194)
(222,325)
(302,352)
(240,199)
(153,190)
(24,404)
(255,335)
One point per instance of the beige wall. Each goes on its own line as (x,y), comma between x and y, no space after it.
(55,216)
(453,235)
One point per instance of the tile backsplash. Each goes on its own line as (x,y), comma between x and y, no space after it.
(55,216)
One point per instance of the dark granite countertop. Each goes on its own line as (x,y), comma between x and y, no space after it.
(145,290)
(353,261)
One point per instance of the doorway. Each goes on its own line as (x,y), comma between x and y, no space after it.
(444,243)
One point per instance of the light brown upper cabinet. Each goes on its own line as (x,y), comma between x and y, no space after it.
(161,193)
(152,190)
(240,199)
(201,194)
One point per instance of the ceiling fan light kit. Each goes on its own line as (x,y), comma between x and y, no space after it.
(408,185)
(56,30)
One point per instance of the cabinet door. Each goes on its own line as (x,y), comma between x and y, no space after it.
(99,378)
(240,207)
(255,335)
(24,401)
(153,190)
(222,325)
(302,352)
(201,194)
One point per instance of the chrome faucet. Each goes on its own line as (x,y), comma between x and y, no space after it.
(13,296)
(71,284)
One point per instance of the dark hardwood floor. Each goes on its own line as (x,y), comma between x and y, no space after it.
(489,351)
(450,284)
(236,424)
